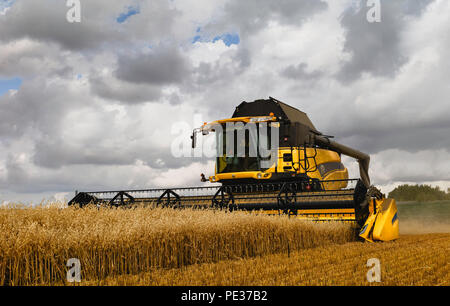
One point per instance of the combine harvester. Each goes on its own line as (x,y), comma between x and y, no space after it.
(303,177)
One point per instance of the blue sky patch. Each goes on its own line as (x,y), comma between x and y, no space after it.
(228,39)
(4,4)
(131,11)
(6,85)
(196,38)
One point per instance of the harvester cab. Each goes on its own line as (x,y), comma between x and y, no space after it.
(271,158)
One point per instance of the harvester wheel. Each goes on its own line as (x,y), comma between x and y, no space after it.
(171,200)
(83,199)
(287,197)
(121,199)
(222,200)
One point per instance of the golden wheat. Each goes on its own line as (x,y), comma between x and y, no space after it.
(411,260)
(37,242)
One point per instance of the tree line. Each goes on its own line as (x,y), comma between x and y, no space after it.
(419,193)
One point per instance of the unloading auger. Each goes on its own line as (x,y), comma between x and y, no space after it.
(271,158)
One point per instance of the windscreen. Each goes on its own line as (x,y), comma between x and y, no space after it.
(238,147)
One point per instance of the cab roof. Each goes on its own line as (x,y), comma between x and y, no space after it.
(280,110)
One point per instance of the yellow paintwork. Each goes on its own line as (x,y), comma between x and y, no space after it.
(241,175)
(346,215)
(314,158)
(382,223)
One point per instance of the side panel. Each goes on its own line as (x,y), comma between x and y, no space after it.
(318,164)
(386,226)
(382,223)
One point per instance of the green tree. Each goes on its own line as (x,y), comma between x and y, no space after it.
(418,193)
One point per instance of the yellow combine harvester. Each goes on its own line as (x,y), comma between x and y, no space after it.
(271,158)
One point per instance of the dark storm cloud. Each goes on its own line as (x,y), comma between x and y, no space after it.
(159,67)
(39,110)
(243,57)
(410,138)
(127,93)
(413,119)
(45,21)
(299,72)
(55,153)
(16,174)
(36,129)
(140,77)
(37,106)
(375,47)
(216,73)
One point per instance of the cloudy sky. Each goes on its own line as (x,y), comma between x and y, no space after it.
(99,104)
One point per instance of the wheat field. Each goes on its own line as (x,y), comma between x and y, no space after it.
(37,242)
(205,247)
